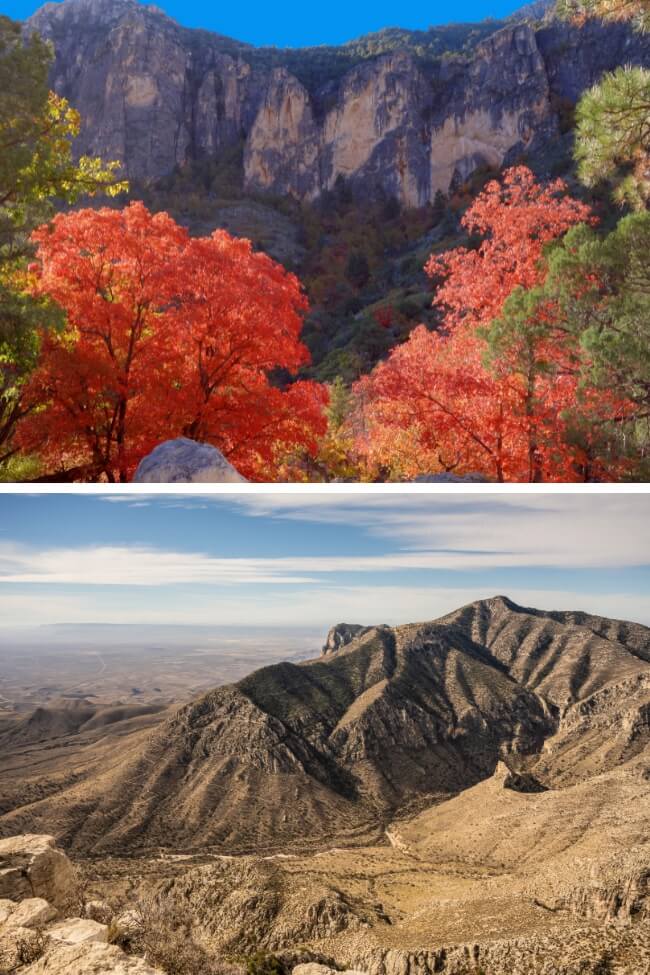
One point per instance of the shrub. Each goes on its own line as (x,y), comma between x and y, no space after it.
(166,940)
(264,963)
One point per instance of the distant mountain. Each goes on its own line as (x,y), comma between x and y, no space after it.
(390,721)
(394,114)
(70,717)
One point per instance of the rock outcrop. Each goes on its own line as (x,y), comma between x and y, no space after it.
(342,634)
(155,95)
(517,781)
(579,952)
(34,937)
(79,930)
(243,905)
(88,959)
(185,461)
(31,866)
(33,912)
(151,93)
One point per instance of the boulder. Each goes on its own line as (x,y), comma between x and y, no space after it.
(89,959)
(446,477)
(33,912)
(79,930)
(185,461)
(32,866)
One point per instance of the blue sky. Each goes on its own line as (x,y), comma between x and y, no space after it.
(296,24)
(315,559)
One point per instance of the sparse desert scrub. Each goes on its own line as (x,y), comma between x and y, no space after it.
(159,932)
(24,947)
(265,963)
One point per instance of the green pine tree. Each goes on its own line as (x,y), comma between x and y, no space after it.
(613,118)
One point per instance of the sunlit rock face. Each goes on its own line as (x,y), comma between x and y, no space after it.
(283,146)
(150,93)
(497,105)
(155,95)
(397,131)
(375,133)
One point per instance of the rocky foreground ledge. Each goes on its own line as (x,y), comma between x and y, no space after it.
(39,932)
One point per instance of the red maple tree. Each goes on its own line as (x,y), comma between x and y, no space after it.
(165,335)
(436,404)
(515,218)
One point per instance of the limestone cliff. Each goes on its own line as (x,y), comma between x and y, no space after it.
(404,122)
(150,93)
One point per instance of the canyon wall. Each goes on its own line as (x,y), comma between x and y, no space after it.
(154,95)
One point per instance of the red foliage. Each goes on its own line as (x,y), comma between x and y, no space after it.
(384,316)
(516,219)
(435,405)
(166,335)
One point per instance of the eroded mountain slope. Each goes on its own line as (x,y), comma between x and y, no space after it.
(331,750)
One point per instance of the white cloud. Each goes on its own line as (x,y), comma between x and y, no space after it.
(472,531)
(424,532)
(465,531)
(140,566)
(146,501)
(115,565)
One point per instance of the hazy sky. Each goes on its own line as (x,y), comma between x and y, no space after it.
(315,559)
(297,24)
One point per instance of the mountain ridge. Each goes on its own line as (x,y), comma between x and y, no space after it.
(332,749)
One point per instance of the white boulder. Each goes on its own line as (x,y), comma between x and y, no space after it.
(79,930)
(89,959)
(185,461)
(33,912)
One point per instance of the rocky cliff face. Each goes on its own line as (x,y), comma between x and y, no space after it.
(155,95)
(399,131)
(150,93)
(340,635)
